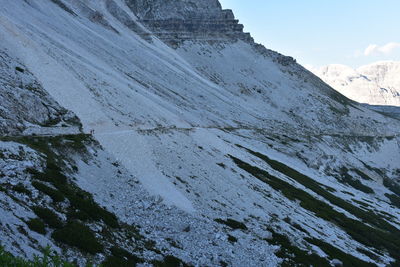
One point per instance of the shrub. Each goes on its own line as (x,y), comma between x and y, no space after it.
(83,202)
(52,174)
(44,260)
(121,257)
(48,216)
(80,236)
(335,253)
(55,195)
(78,198)
(20,188)
(348,179)
(232,223)
(169,261)
(112,261)
(77,215)
(392,186)
(294,256)
(232,239)
(36,225)
(19,69)
(394,199)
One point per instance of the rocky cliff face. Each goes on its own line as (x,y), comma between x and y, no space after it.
(176,21)
(24,102)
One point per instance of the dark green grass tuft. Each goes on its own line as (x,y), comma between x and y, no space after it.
(20,188)
(346,178)
(394,199)
(335,253)
(294,256)
(37,225)
(80,236)
(170,261)
(48,216)
(392,186)
(121,257)
(232,223)
(55,195)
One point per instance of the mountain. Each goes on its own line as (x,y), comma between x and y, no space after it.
(159,133)
(375,84)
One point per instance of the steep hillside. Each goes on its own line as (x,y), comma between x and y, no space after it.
(208,149)
(375,84)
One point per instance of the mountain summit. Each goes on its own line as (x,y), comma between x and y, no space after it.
(161,134)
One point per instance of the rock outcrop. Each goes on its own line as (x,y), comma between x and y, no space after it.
(177,21)
(23,101)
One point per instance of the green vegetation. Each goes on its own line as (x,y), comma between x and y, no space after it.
(232,239)
(232,223)
(48,216)
(37,225)
(63,6)
(79,199)
(394,199)
(121,258)
(294,256)
(44,260)
(55,195)
(362,175)
(170,261)
(20,188)
(78,235)
(382,236)
(19,69)
(368,253)
(52,174)
(54,181)
(65,143)
(84,202)
(334,253)
(349,180)
(392,186)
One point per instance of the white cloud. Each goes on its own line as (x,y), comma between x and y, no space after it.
(386,49)
(371,49)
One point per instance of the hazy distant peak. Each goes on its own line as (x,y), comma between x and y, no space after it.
(377,83)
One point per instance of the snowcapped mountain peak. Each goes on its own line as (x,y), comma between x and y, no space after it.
(376,84)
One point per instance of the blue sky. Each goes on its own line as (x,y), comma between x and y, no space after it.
(321,32)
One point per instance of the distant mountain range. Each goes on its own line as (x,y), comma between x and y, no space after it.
(374,84)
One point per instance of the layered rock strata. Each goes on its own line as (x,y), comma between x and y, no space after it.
(177,21)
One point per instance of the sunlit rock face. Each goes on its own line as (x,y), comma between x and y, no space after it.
(176,21)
